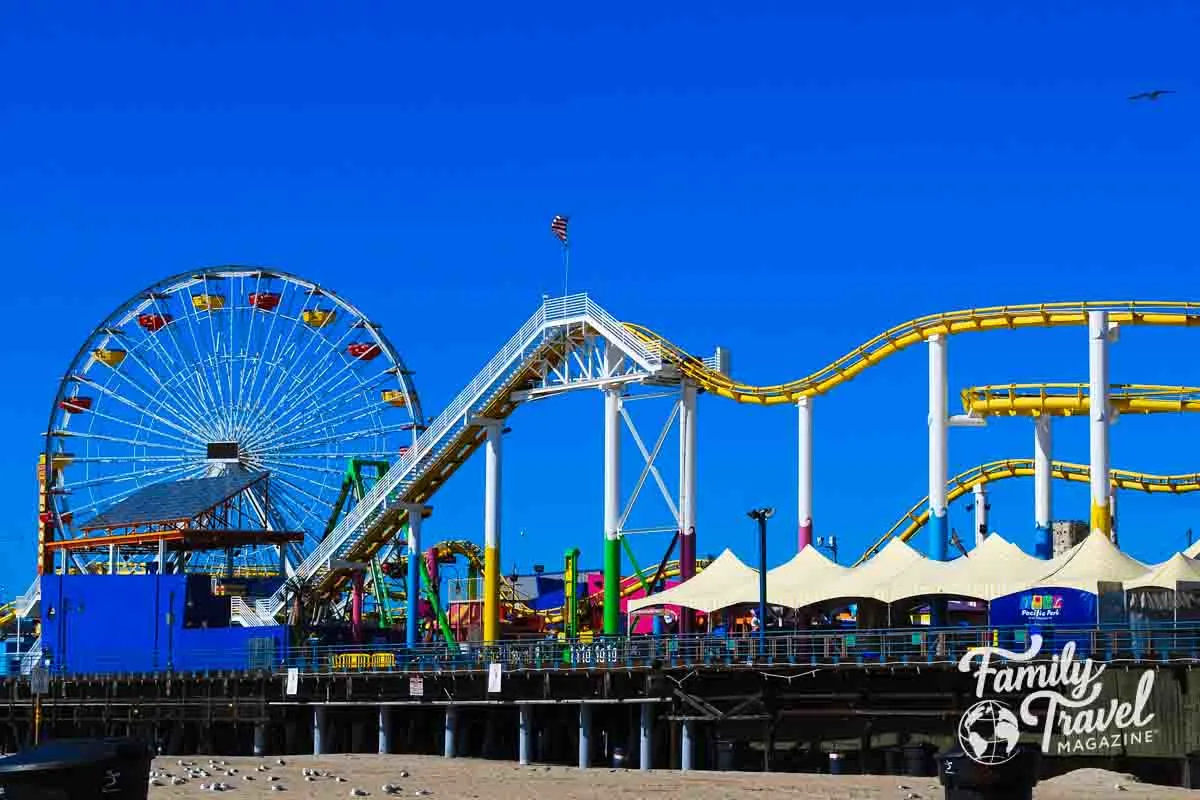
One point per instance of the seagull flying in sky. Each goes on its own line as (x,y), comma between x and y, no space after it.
(1154,94)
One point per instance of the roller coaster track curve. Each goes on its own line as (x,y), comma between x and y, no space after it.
(915,518)
(906,334)
(1070,399)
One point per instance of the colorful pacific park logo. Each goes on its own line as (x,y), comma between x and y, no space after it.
(1041,606)
(1074,721)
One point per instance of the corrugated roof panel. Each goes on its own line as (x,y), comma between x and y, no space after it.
(175,500)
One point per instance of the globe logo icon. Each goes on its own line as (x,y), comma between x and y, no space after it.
(988,732)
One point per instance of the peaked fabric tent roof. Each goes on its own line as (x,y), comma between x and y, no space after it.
(862,581)
(710,589)
(1193,551)
(1165,575)
(1094,559)
(995,567)
(791,582)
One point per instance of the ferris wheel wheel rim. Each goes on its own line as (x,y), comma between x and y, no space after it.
(55,445)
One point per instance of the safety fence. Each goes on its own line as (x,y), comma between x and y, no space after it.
(825,648)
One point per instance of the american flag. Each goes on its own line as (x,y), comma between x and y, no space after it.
(558,226)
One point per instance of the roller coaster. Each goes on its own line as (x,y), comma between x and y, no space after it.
(916,517)
(570,343)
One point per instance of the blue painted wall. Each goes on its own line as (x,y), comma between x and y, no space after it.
(146,623)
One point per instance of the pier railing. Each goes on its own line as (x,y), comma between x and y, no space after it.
(784,649)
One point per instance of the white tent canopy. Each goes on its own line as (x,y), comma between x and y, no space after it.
(860,582)
(716,586)
(791,582)
(996,567)
(1167,574)
(1193,551)
(1094,559)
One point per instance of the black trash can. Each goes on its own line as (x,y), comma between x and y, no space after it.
(726,755)
(964,778)
(78,769)
(918,761)
(892,763)
(618,758)
(837,764)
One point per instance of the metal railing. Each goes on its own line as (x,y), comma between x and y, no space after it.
(780,650)
(245,613)
(27,601)
(437,437)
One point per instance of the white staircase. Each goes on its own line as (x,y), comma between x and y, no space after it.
(28,604)
(246,615)
(31,657)
(452,428)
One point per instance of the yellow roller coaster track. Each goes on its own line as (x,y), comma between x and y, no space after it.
(1069,399)
(1046,315)
(916,517)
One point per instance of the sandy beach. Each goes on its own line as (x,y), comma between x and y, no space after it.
(469,779)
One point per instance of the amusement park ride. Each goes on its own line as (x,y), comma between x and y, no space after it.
(248,424)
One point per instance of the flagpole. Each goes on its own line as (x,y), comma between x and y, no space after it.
(566,266)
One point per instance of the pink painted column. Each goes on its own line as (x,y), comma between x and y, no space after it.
(356,605)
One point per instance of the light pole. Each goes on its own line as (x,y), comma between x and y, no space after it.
(761,515)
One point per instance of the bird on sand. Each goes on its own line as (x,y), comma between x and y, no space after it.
(1153,94)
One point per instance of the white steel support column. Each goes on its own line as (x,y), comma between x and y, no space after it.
(1043,486)
(612,510)
(112,559)
(804,488)
(687,493)
(980,501)
(939,429)
(1098,400)
(1112,514)
(491,533)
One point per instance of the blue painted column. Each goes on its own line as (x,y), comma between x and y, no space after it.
(385,730)
(585,735)
(647,729)
(319,731)
(415,555)
(525,733)
(451,730)
(685,745)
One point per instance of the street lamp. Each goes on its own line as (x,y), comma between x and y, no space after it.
(761,515)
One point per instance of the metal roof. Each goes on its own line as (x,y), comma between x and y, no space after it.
(173,501)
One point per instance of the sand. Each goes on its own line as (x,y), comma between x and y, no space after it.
(469,779)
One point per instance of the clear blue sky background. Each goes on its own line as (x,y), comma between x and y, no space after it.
(785,179)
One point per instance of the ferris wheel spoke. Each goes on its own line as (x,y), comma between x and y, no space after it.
(284,374)
(326,389)
(334,423)
(121,440)
(143,411)
(120,459)
(249,347)
(380,455)
(252,377)
(181,419)
(170,330)
(179,382)
(296,488)
(334,401)
(284,346)
(338,474)
(97,414)
(198,418)
(304,380)
(121,477)
(208,379)
(318,412)
(343,437)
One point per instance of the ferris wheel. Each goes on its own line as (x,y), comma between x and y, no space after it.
(220,372)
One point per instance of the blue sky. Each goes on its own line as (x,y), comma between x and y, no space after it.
(785,181)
